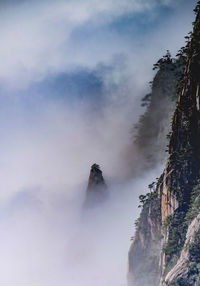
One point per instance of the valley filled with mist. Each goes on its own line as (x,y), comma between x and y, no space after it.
(77,88)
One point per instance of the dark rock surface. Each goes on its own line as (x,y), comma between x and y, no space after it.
(96,192)
(177,193)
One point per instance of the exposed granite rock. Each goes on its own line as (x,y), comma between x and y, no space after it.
(179,253)
(182,269)
(144,253)
(96,190)
(183,168)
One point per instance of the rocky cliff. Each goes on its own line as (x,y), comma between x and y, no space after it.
(96,192)
(144,260)
(154,124)
(176,251)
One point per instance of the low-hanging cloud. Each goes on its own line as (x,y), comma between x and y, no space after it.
(45,237)
(37,38)
(51,134)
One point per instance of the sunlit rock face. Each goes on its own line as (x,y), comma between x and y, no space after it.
(144,261)
(177,192)
(96,192)
(182,259)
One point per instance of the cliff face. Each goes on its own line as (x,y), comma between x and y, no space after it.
(154,124)
(96,192)
(186,269)
(144,252)
(177,193)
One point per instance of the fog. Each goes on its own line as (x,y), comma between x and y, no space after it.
(72,75)
(46,238)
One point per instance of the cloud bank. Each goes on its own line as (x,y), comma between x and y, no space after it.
(71,77)
(40,38)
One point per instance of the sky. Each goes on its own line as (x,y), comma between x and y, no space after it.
(72,75)
(85,64)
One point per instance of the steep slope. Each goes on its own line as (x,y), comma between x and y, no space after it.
(154,124)
(177,193)
(183,171)
(144,260)
(96,192)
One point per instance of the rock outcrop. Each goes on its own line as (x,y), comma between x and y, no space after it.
(154,124)
(177,193)
(96,192)
(144,252)
(185,271)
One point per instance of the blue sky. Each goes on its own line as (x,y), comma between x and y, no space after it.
(84,62)
(72,74)
(41,39)
(75,71)
(83,52)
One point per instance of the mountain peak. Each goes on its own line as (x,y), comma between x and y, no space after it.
(96,190)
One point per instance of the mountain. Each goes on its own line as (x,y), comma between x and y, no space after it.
(154,124)
(96,192)
(166,246)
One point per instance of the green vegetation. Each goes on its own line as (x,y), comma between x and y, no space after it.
(177,226)
(170,265)
(164,61)
(182,156)
(194,208)
(177,232)
(197,8)
(159,105)
(145,199)
(193,276)
(194,249)
(183,168)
